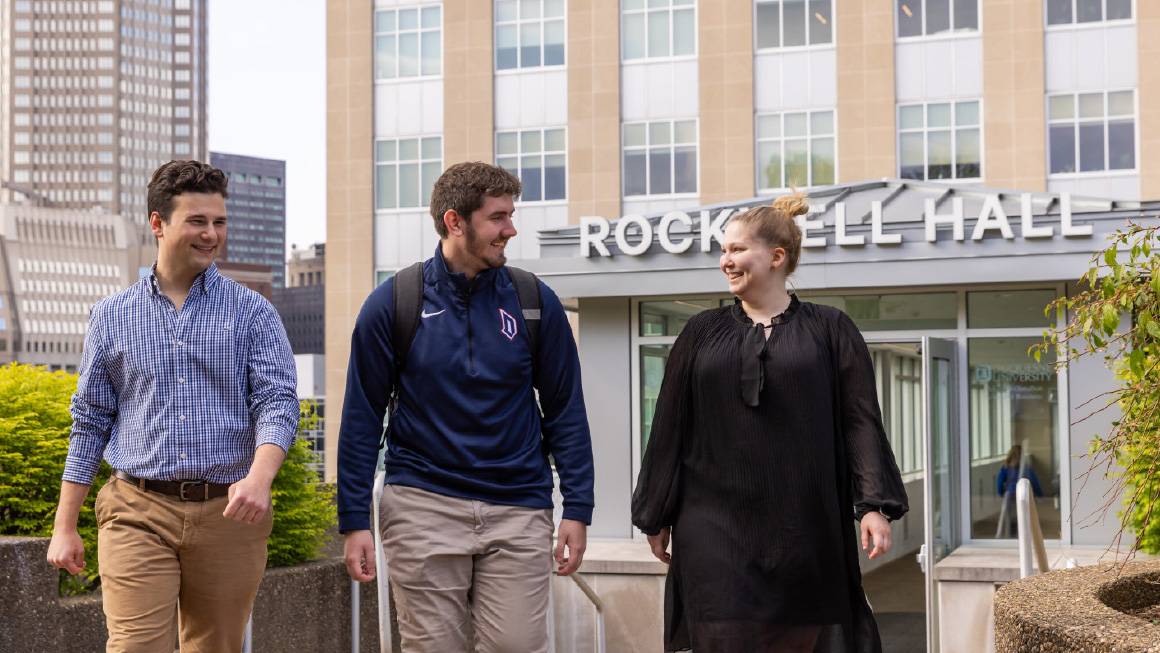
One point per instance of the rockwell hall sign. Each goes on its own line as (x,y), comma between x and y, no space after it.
(595,231)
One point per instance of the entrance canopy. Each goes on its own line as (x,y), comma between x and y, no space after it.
(892,232)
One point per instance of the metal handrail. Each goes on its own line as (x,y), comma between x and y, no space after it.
(1030,532)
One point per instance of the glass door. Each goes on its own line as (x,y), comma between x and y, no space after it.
(940,535)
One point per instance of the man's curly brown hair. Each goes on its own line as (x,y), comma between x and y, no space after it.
(177,177)
(463,186)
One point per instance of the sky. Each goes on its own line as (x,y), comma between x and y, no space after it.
(267,97)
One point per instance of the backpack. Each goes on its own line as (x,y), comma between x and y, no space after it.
(408,304)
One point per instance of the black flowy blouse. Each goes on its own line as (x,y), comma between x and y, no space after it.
(761,453)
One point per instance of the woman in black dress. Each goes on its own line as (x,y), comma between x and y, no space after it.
(767,440)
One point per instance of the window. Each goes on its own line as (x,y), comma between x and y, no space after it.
(407,42)
(406,170)
(1067,12)
(529,33)
(1092,132)
(795,149)
(930,17)
(537,157)
(663,28)
(660,158)
(790,23)
(940,141)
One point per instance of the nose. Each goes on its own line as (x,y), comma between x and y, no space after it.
(509,230)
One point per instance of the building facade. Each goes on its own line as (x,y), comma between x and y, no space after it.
(257,211)
(54,265)
(300,303)
(94,95)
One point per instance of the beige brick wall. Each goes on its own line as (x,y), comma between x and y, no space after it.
(866,100)
(593,109)
(349,193)
(1148,40)
(1014,118)
(726,99)
(468,89)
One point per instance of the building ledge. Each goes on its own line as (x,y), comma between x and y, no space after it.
(991,564)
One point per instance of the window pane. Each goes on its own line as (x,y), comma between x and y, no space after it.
(431,172)
(660,176)
(966,15)
(768,126)
(1119,9)
(409,54)
(769,165)
(385,151)
(909,18)
(632,36)
(997,309)
(659,133)
(822,162)
(531,173)
(506,52)
(966,113)
(684,32)
(529,45)
(431,17)
(632,4)
(507,143)
(794,25)
(409,185)
(384,57)
(530,142)
(652,372)
(685,131)
(821,123)
(408,19)
(795,124)
(1061,107)
(529,9)
(1088,11)
(555,177)
(685,164)
(1012,418)
(796,164)
(819,18)
(938,155)
(385,187)
(554,140)
(1121,104)
(1062,140)
(505,10)
(1091,105)
(432,148)
(553,8)
(1091,147)
(902,311)
(554,43)
(968,156)
(510,163)
(1121,145)
(635,173)
(768,25)
(409,149)
(1058,12)
(668,318)
(910,148)
(634,135)
(910,117)
(431,58)
(658,34)
(938,16)
(938,115)
(384,21)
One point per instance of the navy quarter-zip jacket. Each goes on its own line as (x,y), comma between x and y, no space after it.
(467,423)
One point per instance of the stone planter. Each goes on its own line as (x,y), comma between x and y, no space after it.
(1091,609)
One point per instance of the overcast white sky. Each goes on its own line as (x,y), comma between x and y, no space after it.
(267,97)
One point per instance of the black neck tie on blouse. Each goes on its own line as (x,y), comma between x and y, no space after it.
(753,363)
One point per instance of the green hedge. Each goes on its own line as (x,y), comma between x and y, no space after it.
(34,430)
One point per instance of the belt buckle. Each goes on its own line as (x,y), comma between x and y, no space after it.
(185,484)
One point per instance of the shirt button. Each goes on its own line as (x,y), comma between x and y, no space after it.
(183,456)
(181,417)
(181,379)
(179,343)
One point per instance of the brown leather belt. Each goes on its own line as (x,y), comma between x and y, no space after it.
(184,490)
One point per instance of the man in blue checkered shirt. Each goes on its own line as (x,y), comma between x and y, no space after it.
(187,388)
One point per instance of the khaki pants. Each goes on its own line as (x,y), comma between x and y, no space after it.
(467,575)
(169,566)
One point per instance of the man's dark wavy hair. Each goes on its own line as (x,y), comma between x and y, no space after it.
(177,177)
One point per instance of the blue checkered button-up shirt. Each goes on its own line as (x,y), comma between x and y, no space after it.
(189,395)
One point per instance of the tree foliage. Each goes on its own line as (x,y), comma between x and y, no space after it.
(1123,282)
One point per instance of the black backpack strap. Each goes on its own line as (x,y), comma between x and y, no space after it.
(528,290)
(408,304)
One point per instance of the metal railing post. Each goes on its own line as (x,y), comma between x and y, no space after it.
(1030,535)
(354,618)
(248,638)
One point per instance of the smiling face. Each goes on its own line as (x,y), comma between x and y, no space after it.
(749,264)
(193,236)
(480,241)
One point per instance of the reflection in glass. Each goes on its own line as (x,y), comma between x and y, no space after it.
(1091,146)
(938,16)
(1121,144)
(652,372)
(668,318)
(794,20)
(768,25)
(909,18)
(1013,428)
(1058,12)
(821,30)
(997,309)
(1062,140)
(896,312)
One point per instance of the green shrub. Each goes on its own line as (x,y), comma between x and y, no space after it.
(303,505)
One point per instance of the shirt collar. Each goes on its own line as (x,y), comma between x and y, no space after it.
(204,281)
(459,279)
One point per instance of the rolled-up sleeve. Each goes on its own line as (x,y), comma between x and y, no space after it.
(93,408)
(273,381)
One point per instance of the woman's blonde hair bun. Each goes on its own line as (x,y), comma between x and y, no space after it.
(775,225)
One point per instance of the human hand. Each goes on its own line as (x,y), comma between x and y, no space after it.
(249,500)
(572,535)
(659,544)
(875,529)
(66,550)
(359,553)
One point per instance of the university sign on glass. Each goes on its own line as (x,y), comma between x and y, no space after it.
(595,230)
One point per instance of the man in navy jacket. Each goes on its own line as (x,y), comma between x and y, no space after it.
(467,511)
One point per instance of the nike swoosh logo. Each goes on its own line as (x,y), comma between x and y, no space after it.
(426,315)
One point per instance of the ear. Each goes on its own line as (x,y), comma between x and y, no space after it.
(778,258)
(454,222)
(155,223)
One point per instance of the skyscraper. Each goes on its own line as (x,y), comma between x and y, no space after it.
(257,211)
(94,95)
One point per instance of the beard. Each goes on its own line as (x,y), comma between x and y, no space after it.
(482,250)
